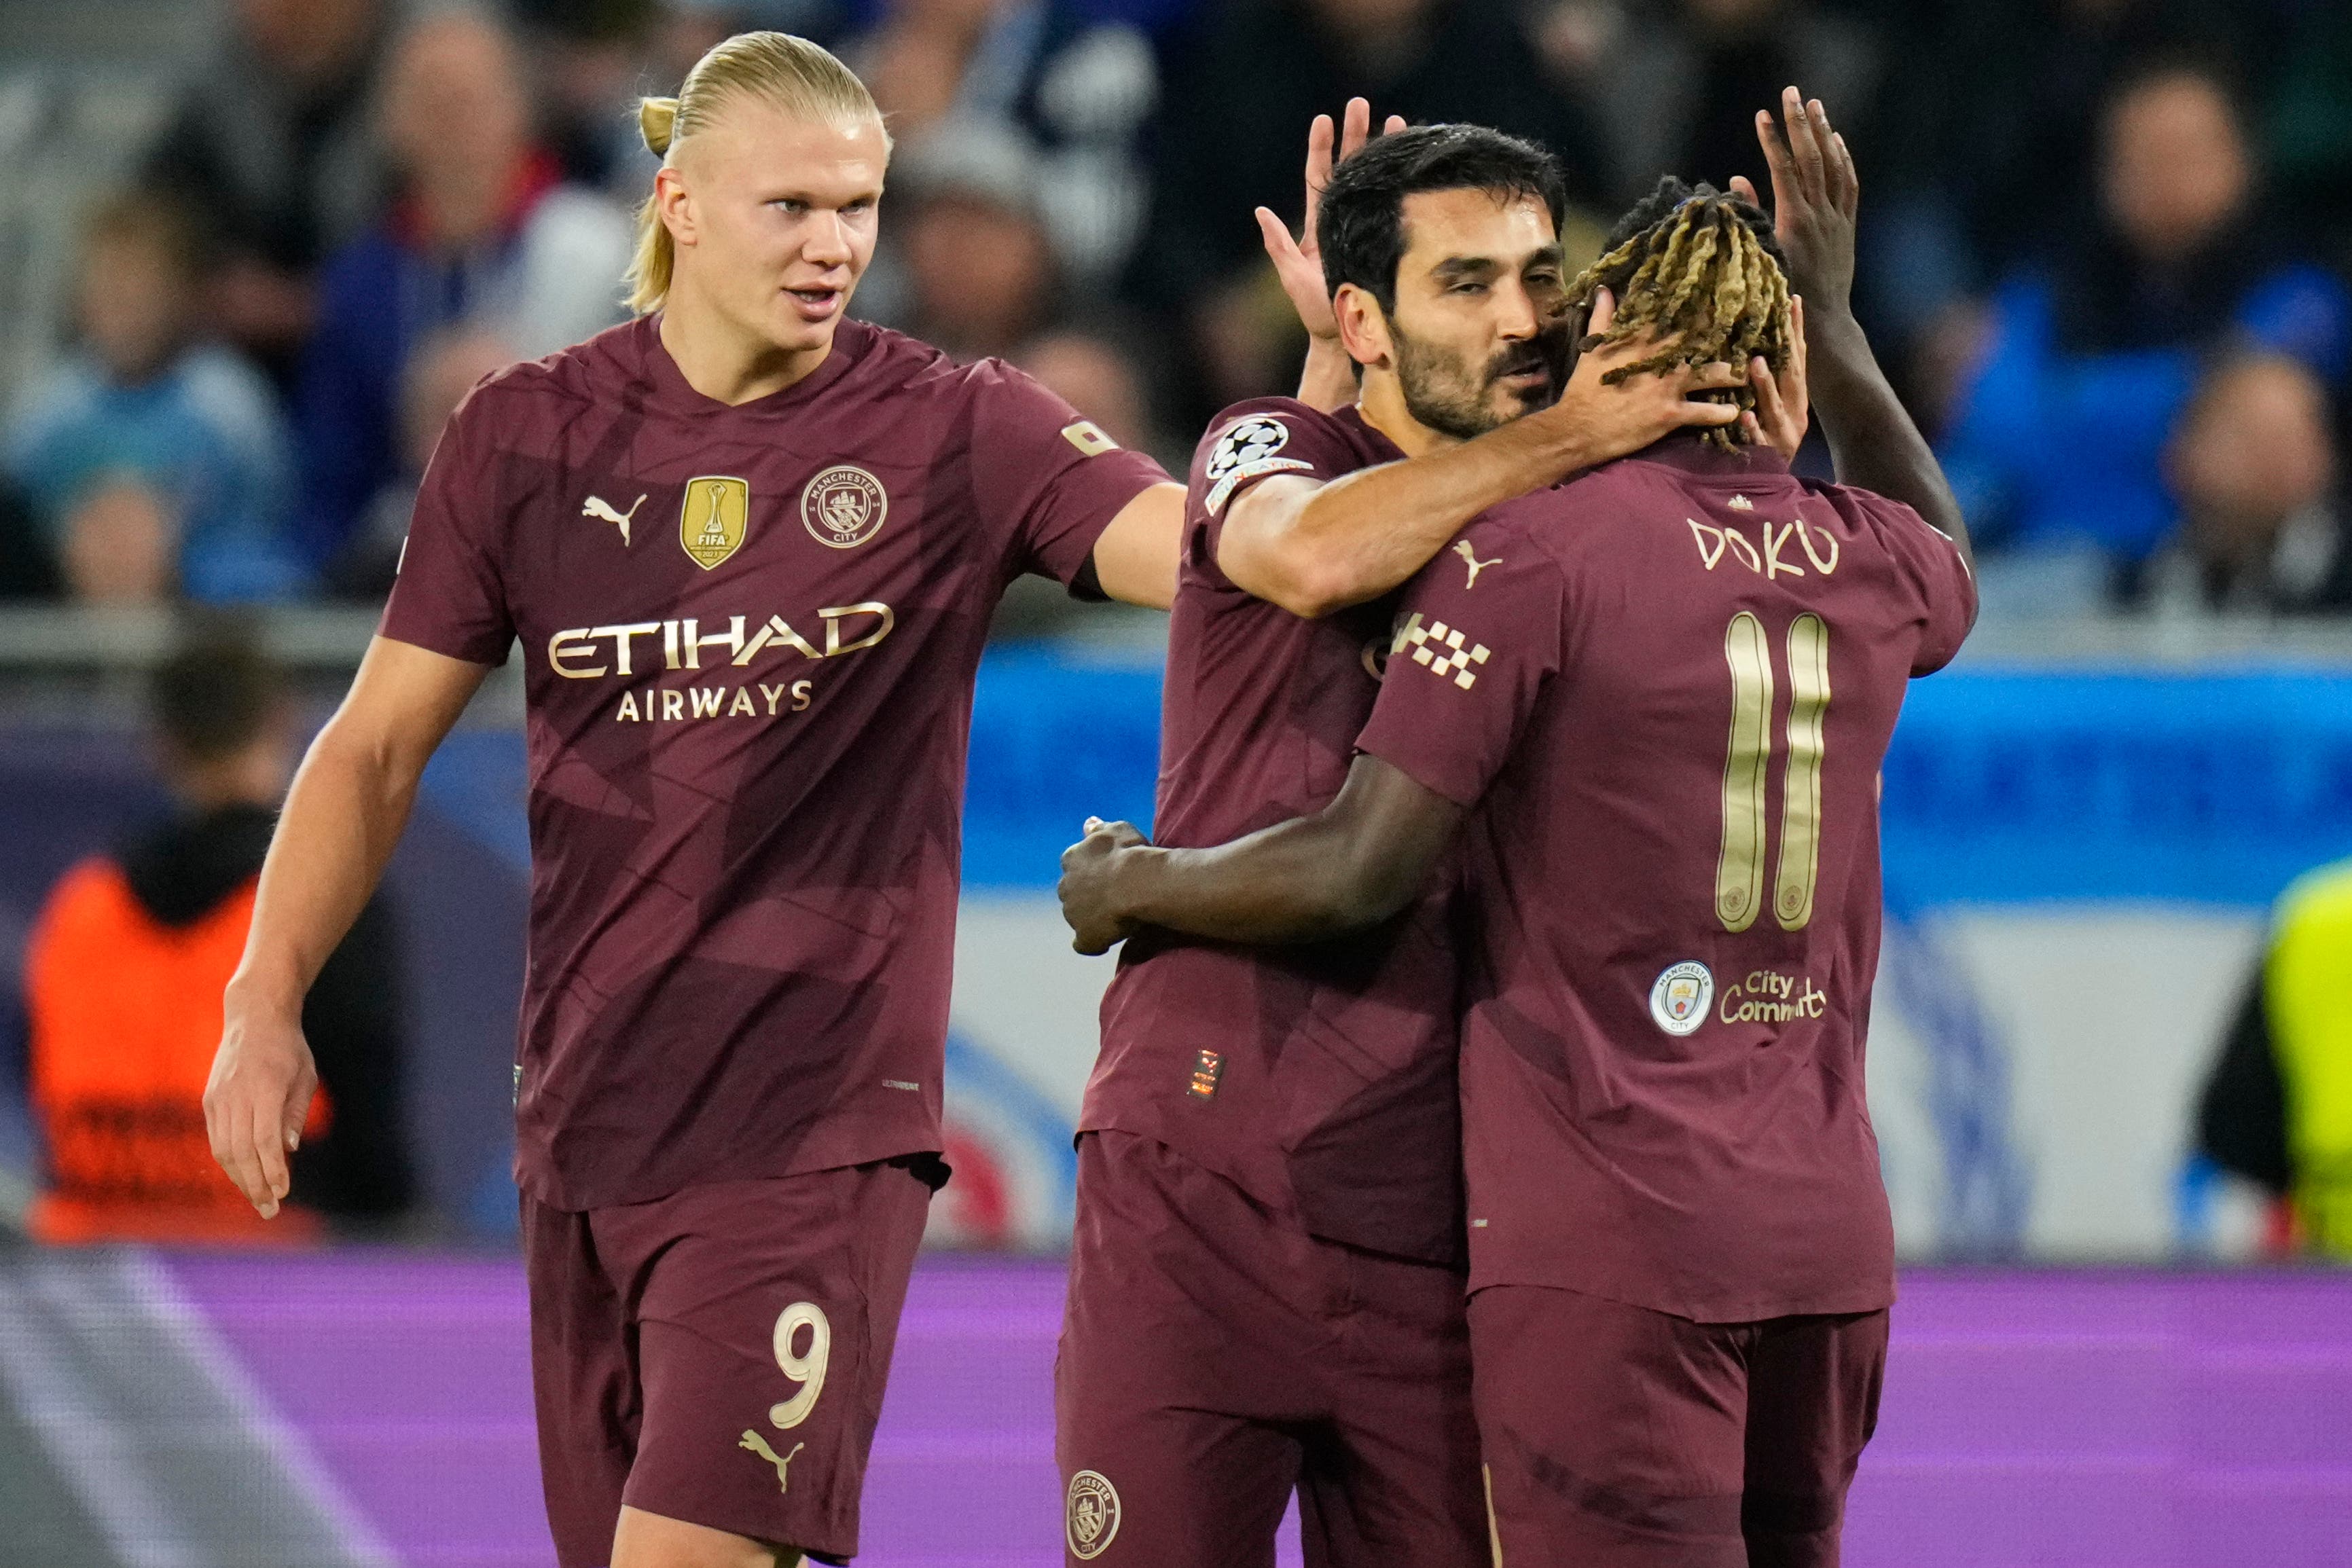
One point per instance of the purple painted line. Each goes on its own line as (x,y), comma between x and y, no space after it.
(2094,1419)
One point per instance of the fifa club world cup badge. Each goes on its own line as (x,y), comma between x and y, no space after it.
(843,507)
(1093,1515)
(714,518)
(1679,997)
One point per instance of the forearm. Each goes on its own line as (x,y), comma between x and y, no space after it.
(1368,532)
(341,821)
(1294,882)
(1873,439)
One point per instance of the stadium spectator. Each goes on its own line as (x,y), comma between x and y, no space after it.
(592,60)
(1997,103)
(2252,469)
(1253,73)
(273,143)
(1676,89)
(1081,87)
(443,369)
(145,406)
(2277,1108)
(124,977)
(484,232)
(977,272)
(117,545)
(2059,431)
(1085,365)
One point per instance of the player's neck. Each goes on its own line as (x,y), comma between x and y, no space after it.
(1381,403)
(726,365)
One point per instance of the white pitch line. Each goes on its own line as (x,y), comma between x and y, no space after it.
(106,1474)
(193,1333)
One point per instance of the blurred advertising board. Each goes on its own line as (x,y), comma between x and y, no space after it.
(2078,864)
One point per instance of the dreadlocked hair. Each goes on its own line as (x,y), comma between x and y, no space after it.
(1699,270)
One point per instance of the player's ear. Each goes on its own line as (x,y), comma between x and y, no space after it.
(1364,326)
(674,206)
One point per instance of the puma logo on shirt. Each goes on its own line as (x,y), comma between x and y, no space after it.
(597,506)
(1461,547)
(759,1445)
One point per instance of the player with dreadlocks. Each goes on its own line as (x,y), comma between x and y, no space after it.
(1700,275)
(1653,720)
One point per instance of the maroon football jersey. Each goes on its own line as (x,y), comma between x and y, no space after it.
(749,636)
(1320,1076)
(1666,686)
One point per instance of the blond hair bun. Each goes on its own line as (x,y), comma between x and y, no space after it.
(657,119)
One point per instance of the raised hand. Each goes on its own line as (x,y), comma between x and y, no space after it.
(1300,261)
(1088,886)
(1816,193)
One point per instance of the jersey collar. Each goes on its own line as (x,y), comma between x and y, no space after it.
(1684,449)
(851,339)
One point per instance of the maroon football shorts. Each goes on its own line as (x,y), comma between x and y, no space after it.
(1215,1356)
(717,1355)
(1620,1437)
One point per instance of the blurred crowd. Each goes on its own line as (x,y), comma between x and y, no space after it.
(2107,245)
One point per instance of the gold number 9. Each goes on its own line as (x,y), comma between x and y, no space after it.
(808,1370)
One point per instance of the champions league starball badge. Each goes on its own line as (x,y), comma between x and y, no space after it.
(1246,450)
(1679,997)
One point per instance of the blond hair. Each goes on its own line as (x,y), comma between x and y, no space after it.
(1703,277)
(800,77)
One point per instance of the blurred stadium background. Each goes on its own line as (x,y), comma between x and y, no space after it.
(252,252)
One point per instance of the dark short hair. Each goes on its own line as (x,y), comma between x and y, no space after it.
(1361,223)
(217,693)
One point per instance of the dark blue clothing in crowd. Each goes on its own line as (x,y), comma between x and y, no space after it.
(550,277)
(204,433)
(2060,438)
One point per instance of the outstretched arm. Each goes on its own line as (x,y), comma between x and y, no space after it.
(1136,556)
(346,811)
(1873,439)
(1354,863)
(1314,548)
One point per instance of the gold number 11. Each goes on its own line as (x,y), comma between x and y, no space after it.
(1739,871)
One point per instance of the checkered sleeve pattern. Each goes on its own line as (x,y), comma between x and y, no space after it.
(1477,635)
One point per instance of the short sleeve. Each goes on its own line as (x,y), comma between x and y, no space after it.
(1255,440)
(1932,564)
(1478,634)
(449,596)
(1046,473)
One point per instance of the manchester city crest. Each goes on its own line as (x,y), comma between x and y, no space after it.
(1093,1515)
(1679,997)
(843,507)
